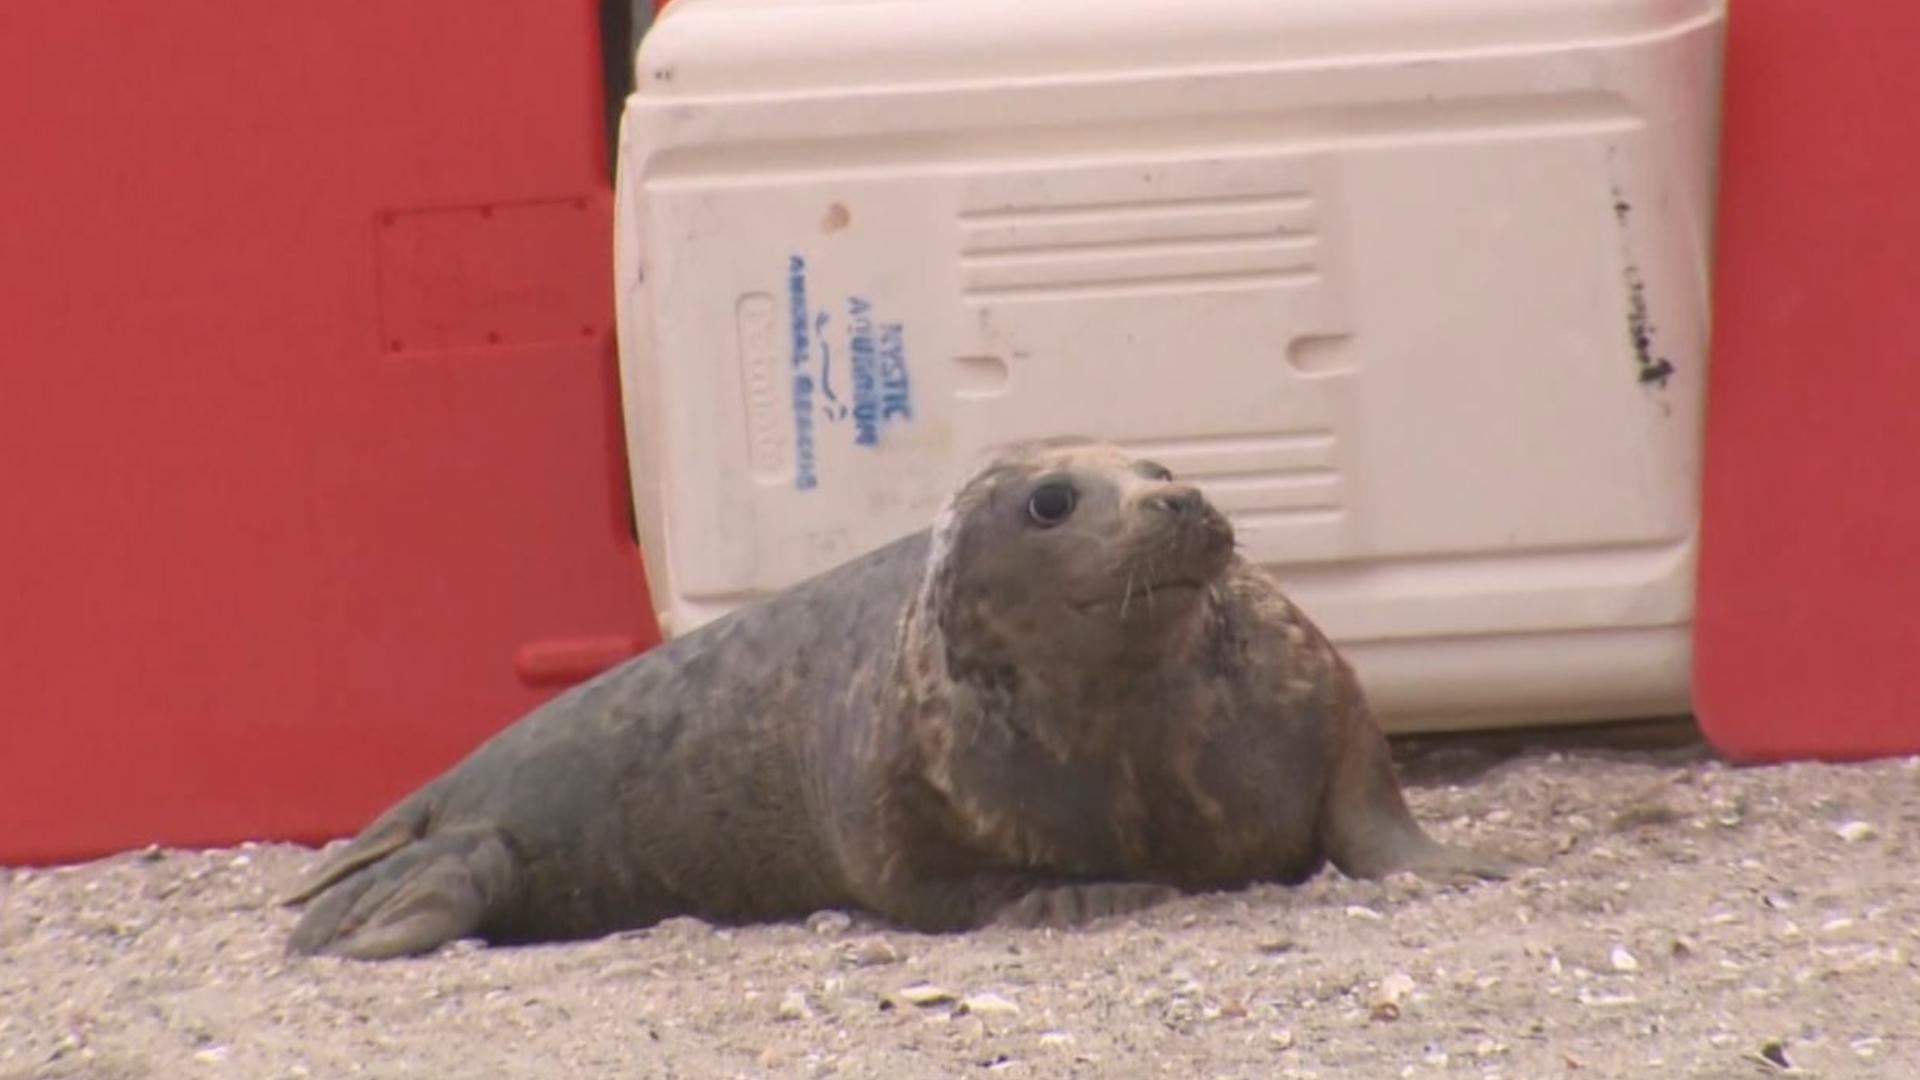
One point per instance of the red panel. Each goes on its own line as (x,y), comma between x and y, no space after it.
(1808,641)
(261,571)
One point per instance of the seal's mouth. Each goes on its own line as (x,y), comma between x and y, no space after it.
(1143,597)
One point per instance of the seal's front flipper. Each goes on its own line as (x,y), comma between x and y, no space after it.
(1009,899)
(1368,832)
(429,892)
(1077,905)
(1443,863)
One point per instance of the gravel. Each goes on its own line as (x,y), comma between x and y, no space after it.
(1685,919)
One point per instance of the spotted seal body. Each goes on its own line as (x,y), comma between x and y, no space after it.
(1068,699)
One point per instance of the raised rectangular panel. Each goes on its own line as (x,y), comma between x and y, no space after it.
(1416,292)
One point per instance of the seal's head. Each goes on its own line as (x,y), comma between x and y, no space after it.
(1075,551)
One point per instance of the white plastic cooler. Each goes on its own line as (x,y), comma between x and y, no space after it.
(1415,289)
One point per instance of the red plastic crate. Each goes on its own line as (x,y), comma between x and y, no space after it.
(310,446)
(1808,633)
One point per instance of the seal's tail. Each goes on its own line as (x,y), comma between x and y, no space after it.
(406,896)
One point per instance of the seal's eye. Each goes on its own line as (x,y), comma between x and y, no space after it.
(1052,503)
(1153,470)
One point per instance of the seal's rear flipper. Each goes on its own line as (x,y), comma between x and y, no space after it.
(429,892)
(391,831)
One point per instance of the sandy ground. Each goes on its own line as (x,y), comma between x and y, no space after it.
(1688,920)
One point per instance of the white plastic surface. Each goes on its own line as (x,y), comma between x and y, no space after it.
(1415,289)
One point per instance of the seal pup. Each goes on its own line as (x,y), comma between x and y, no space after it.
(1068,699)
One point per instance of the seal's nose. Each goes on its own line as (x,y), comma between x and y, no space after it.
(1182,501)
